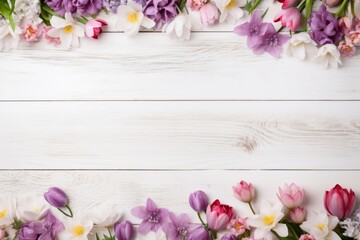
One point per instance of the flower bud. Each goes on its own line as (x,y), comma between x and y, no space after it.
(198,201)
(244,192)
(209,14)
(124,231)
(56,197)
(297,215)
(93,28)
(198,233)
(332,3)
(291,196)
(27,233)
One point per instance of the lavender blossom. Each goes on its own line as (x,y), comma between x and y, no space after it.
(252,29)
(112,5)
(324,27)
(27,232)
(81,7)
(271,42)
(178,227)
(152,216)
(48,228)
(161,11)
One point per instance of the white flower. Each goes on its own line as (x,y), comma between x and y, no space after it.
(9,38)
(356,8)
(7,211)
(179,28)
(76,228)
(268,220)
(229,9)
(321,226)
(31,208)
(105,215)
(300,45)
(27,11)
(160,235)
(68,30)
(329,55)
(131,18)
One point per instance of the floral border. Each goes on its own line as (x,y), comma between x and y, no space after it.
(36,218)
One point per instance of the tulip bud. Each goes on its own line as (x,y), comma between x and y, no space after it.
(27,233)
(218,215)
(291,196)
(56,197)
(244,192)
(339,202)
(198,233)
(332,3)
(198,201)
(209,14)
(297,215)
(93,28)
(124,231)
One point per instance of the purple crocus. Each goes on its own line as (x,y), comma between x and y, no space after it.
(178,226)
(56,197)
(124,230)
(81,7)
(49,227)
(27,232)
(152,216)
(324,27)
(252,29)
(198,201)
(271,41)
(161,11)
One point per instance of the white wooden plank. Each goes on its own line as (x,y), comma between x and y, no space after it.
(180,135)
(152,67)
(171,189)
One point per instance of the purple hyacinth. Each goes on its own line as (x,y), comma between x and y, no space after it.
(271,42)
(252,29)
(81,7)
(48,228)
(152,216)
(178,227)
(112,5)
(324,27)
(161,11)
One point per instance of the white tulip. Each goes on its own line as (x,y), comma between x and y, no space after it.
(329,55)
(300,46)
(179,28)
(31,208)
(321,226)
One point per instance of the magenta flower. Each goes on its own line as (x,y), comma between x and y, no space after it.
(339,202)
(48,228)
(252,29)
(178,227)
(271,42)
(152,216)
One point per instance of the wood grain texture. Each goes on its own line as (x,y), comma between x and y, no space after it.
(212,66)
(180,135)
(171,189)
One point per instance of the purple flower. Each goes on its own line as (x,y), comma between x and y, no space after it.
(198,201)
(271,41)
(56,197)
(112,5)
(324,27)
(81,7)
(27,232)
(229,237)
(198,232)
(124,231)
(178,227)
(161,11)
(49,227)
(152,216)
(252,29)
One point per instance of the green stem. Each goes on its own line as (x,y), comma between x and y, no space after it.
(70,214)
(292,231)
(308,8)
(203,223)
(83,20)
(341,11)
(253,7)
(252,209)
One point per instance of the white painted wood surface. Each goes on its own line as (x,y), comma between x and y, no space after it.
(168,116)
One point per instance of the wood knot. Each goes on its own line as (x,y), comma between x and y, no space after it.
(247,144)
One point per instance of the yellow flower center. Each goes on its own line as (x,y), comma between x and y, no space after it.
(36,210)
(320,227)
(231,4)
(3,214)
(269,219)
(133,17)
(78,230)
(68,29)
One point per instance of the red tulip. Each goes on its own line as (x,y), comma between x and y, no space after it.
(218,215)
(339,202)
(290,18)
(93,28)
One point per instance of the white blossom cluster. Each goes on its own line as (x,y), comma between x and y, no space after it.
(352,226)
(27,11)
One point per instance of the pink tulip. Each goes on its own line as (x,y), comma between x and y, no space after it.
(345,25)
(195,5)
(289,3)
(297,215)
(290,18)
(218,215)
(93,28)
(291,196)
(209,14)
(339,202)
(244,192)
(31,33)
